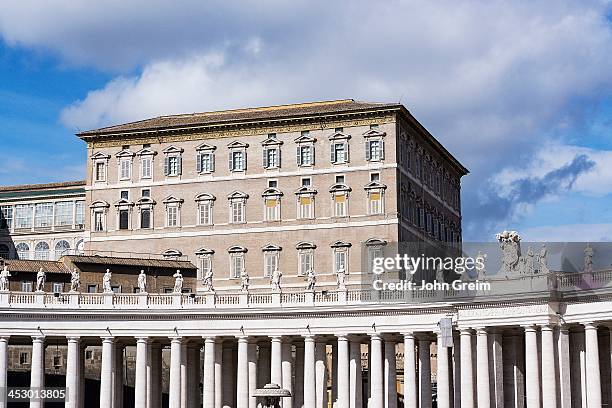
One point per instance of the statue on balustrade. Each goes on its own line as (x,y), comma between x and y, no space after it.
(41,277)
(208,281)
(529,262)
(75,280)
(106,282)
(510,244)
(276,280)
(481,259)
(178,282)
(244,281)
(543,258)
(142,282)
(312,280)
(588,258)
(341,279)
(4,279)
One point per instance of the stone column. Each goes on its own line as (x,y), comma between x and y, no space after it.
(106,372)
(443,376)
(496,369)
(140,377)
(287,373)
(193,376)
(390,384)
(456,370)
(218,374)
(410,380)
(242,380)
(228,375)
(276,373)
(376,387)
(73,378)
(549,375)
(298,388)
(4,341)
(321,374)
(467,372)
(532,372)
(593,376)
(342,373)
(310,400)
(355,381)
(118,376)
(154,376)
(565,385)
(482,369)
(37,374)
(209,372)
(81,392)
(424,373)
(252,374)
(174,388)
(184,374)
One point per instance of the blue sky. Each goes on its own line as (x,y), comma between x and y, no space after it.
(520,92)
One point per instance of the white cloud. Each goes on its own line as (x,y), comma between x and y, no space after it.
(569,233)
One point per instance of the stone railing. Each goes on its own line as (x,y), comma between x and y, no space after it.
(554,284)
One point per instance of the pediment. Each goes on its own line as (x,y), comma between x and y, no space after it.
(237,145)
(205,147)
(374,133)
(173,149)
(339,136)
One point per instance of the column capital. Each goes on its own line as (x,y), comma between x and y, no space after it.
(409,335)
(73,339)
(309,338)
(465,331)
(5,337)
(108,339)
(242,339)
(529,328)
(175,339)
(590,325)
(547,327)
(375,336)
(142,339)
(209,339)
(482,331)
(38,338)
(342,337)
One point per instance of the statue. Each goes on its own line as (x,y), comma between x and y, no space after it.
(276,280)
(142,282)
(75,280)
(529,262)
(106,282)
(244,281)
(543,261)
(4,279)
(588,258)
(439,274)
(208,281)
(510,244)
(481,259)
(341,279)
(178,282)
(40,280)
(312,280)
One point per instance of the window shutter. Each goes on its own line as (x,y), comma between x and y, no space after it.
(298,155)
(212,162)
(179,165)
(382,149)
(348,155)
(332,154)
(278,152)
(265,158)
(244,159)
(199,163)
(367,150)
(312,154)
(166,165)
(231,160)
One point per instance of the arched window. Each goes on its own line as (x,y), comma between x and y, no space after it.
(172,254)
(41,251)
(61,248)
(80,247)
(23,251)
(237,261)
(4,251)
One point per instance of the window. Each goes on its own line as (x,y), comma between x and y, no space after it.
(237,161)
(26,286)
(23,215)
(125,195)
(375,195)
(145,207)
(92,288)
(88,354)
(305,258)
(340,205)
(306,182)
(374,145)
(24,358)
(339,147)
(271,152)
(237,202)
(6,217)
(204,262)
(124,219)
(340,179)
(236,261)
(306,206)
(272,183)
(146,168)
(206,162)
(99,221)
(375,251)
(146,192)
(340,253)
(58,287)
(4,251)
(374,176)
(116,288)
(62,248)
(340,193)
(63,213)
(43,215)
(145,218)
(205,207)
(272,201)
(79,213)
(41,251)
(125,169)
(305,150)
(271,259)
(173,162)
(100,171)
(172,216)
(23,251)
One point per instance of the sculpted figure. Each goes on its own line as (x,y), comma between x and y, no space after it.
(588,258)
(481,259)
(530,262)
(276,280)
(75,280)
(41,277)
(178,282)
(142,282)
(341,279)
(543,259)
(244,281)
(312,280)
(439,274)
(510,244)
(106,282)
(4,279)
(208,280)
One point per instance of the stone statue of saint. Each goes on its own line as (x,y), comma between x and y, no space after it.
(41,277)
(341,279)
(208,281)
(312,280)
(530,262)
(178,282)
(588,258)
(75,280)
(439,274)
(276,280)
(4,279)
(106,282)
(244,281)
(481,272)
(510,244)
(142,282)
(543,259)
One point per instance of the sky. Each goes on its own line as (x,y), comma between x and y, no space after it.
(519,91)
